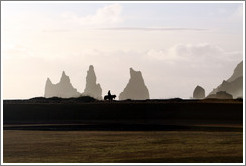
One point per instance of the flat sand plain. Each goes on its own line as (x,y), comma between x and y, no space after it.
(122,147)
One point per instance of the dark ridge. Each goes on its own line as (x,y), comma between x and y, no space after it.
(120,127)
(133,112)
(88,99)
(176,99)
(40,100)
(239,99)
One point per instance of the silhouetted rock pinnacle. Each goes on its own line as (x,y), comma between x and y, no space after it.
(238,72)
(92,88)
(63,89)
(199,93)
(234,85)
(135,89)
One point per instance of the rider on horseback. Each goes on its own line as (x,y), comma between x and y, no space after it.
(109,94)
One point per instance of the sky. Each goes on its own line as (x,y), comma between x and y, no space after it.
(176,46)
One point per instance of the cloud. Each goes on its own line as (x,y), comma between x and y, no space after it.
(197,50)
(108,15)
(56,30)
(17,50)
(239,11)
(152,29)
(237,15)
(203,55)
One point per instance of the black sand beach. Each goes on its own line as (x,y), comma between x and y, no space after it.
(151,131)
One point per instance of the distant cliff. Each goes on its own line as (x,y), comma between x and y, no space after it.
(234,85)
(63,89)
(136,88)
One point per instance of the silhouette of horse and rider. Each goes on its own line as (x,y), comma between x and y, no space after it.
(109,96)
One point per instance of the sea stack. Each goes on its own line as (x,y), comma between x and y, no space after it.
(199,93)
(233,85)
(136,88)
(92,89)
(63,89)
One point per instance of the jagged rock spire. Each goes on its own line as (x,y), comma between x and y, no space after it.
(92,88)
(136,88)
(63,89)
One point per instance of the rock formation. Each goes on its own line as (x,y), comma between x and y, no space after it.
(199,93)
(238,72)
(92,88)
(220,95)
(234,85)
(63,89)
(136,88)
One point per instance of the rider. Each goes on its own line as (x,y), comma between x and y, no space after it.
(109,94)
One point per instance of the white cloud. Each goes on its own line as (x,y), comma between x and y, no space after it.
(27,22)
(237,16)
(194,52)
(152,29)
(222,11)
(202,49)
(108,15)
(17,50)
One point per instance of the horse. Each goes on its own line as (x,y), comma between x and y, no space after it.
(107,97)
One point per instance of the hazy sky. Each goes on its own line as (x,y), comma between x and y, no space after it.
(176,46)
